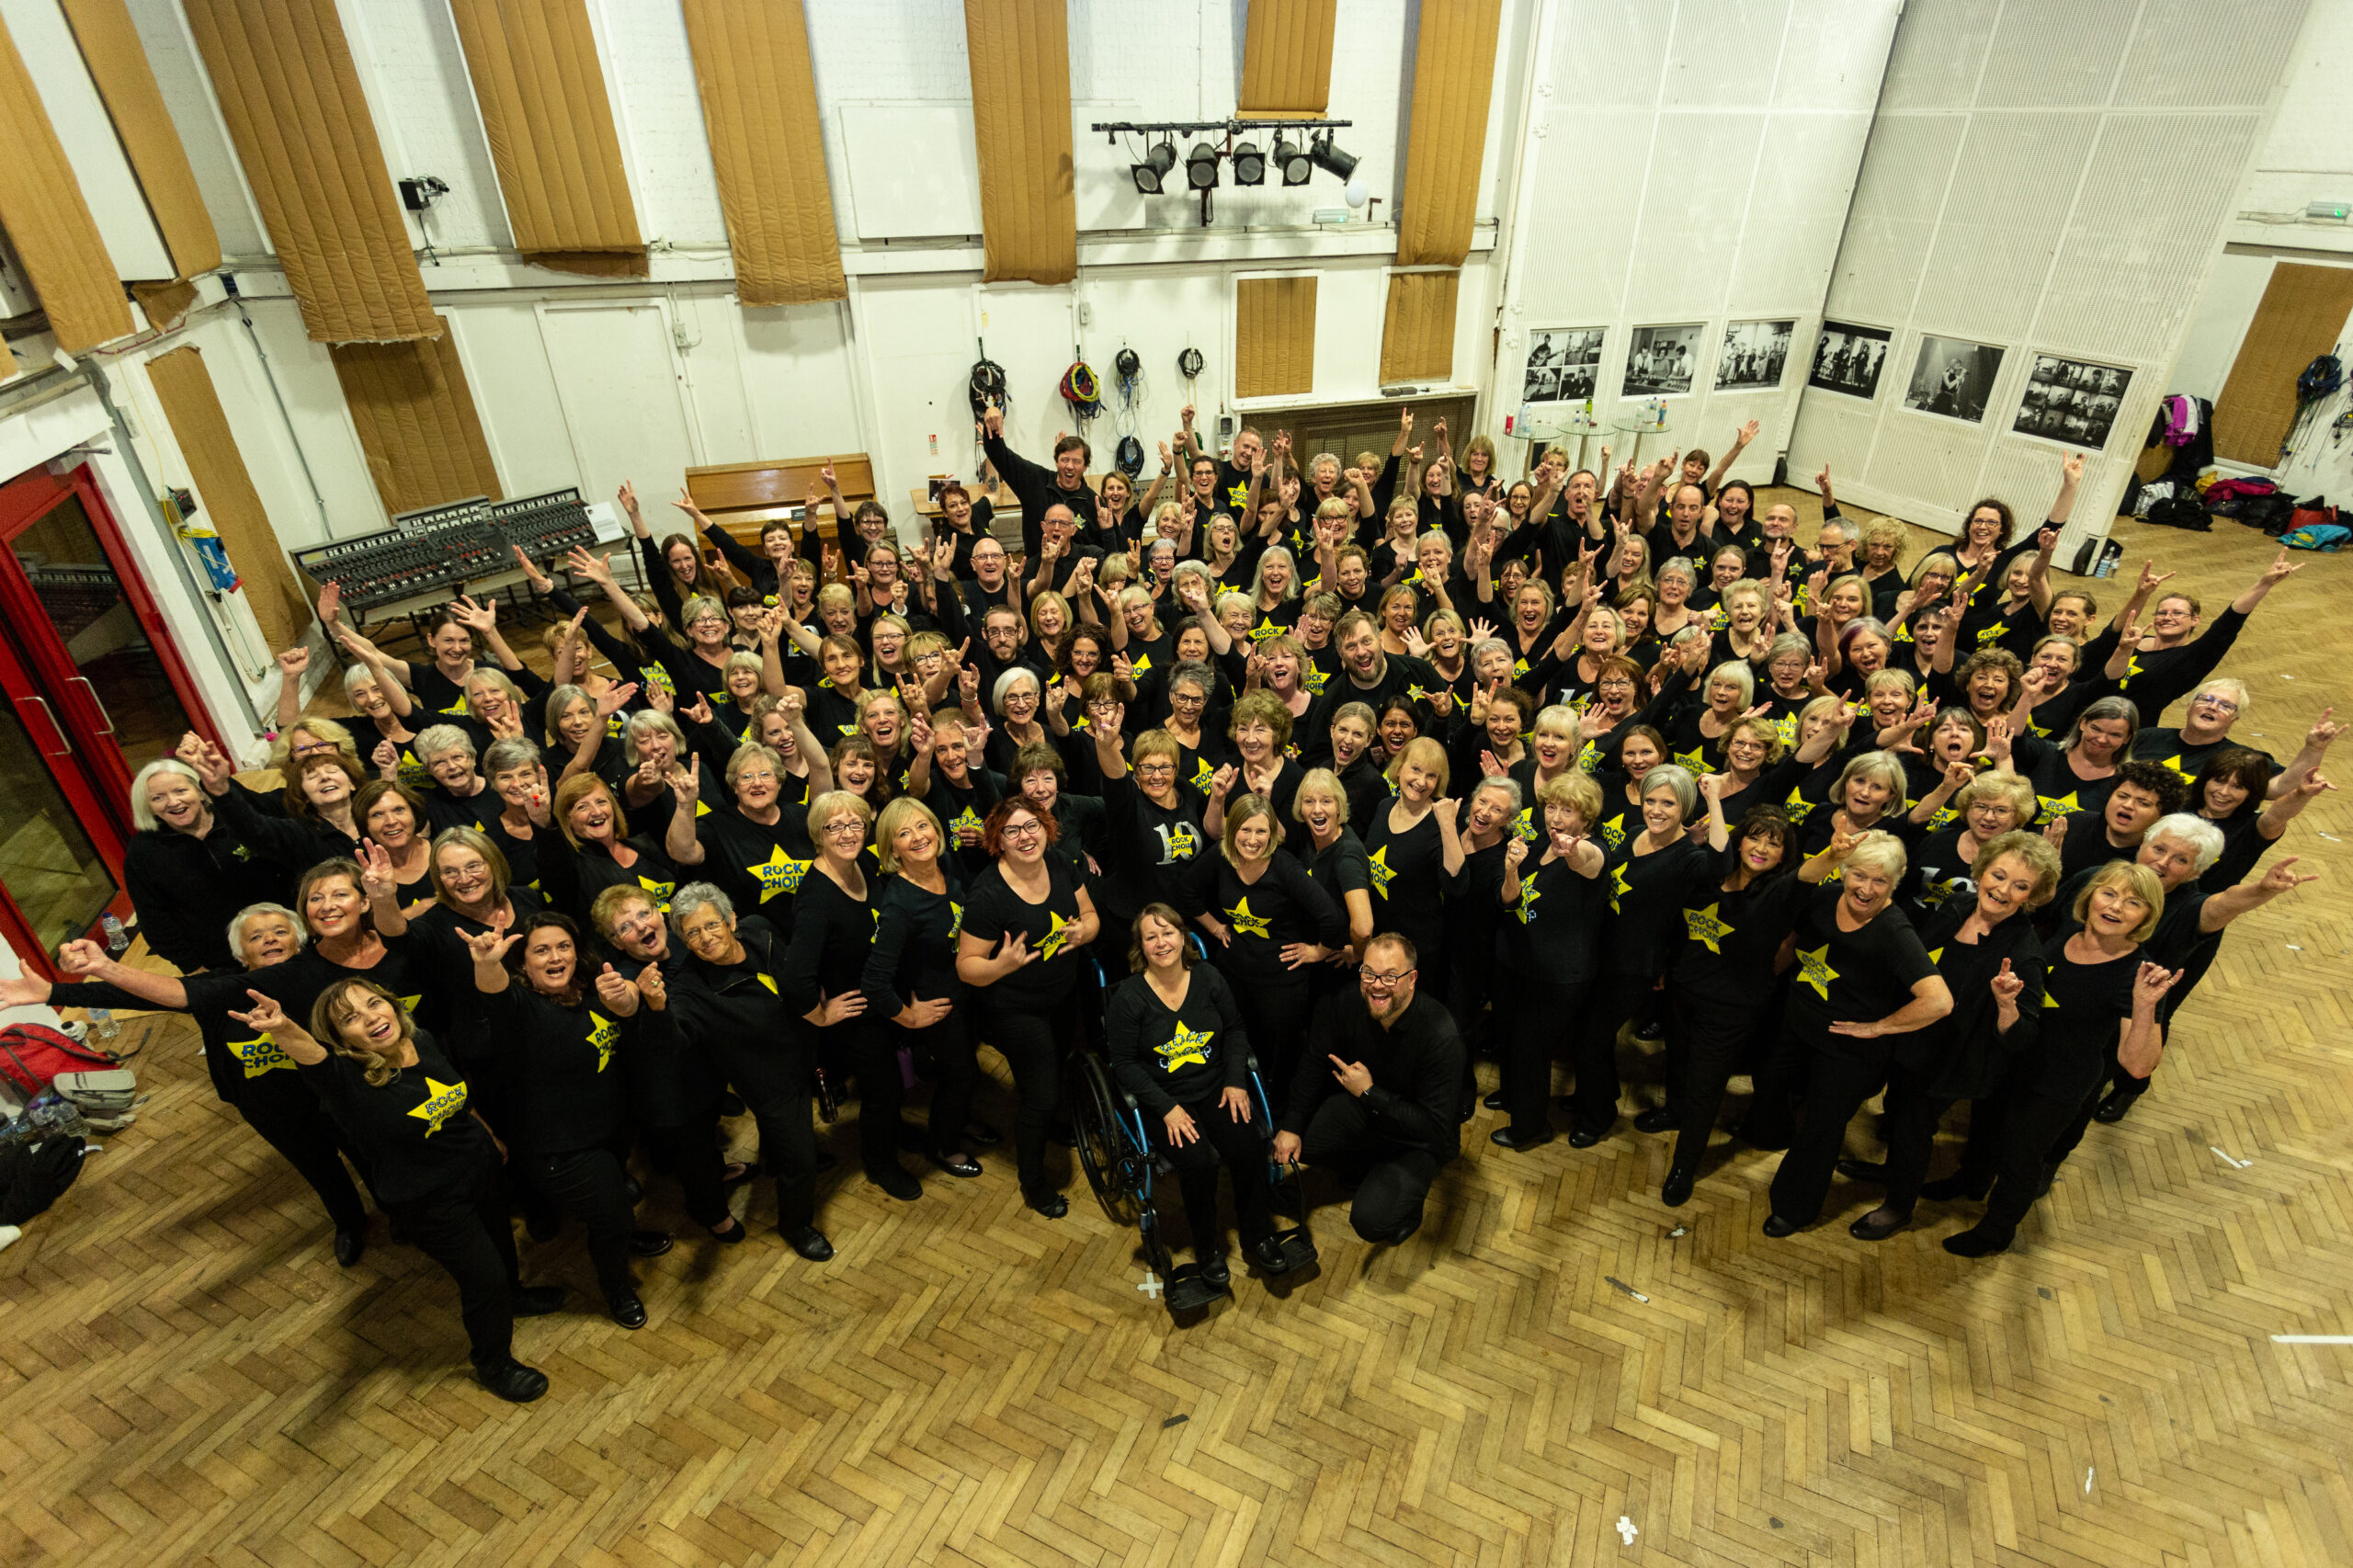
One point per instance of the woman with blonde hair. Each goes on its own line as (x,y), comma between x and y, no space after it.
(1554,901)
(1413,852)
(910,977)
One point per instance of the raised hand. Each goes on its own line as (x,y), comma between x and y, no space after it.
(489,950)
(1515,852)
(474,616)
(2280,879)
(2151,984)
(2006,986)
(686,783)
(700,708)
(615,993)
(1221,781)
(265,1016)
(387,758)
(1822,481)
(2280,569)
(2071,469)
(330,602)
(293,662)
(1712,788)
(376,878)
(1015,954)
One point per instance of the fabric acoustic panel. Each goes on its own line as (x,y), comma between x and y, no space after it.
(1417,330)
(42,209)
(2303,315)
(1274,336)
(416,421)
(1454,77)
(1020,62)
(232,507)
(541,90)
(118,65)
(1287,57)
(291,97)
(759,109)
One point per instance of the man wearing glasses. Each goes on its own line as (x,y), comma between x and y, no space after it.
(1399,1061)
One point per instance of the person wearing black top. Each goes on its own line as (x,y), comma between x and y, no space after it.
(403,1109)
(1177,1043)
(1155,823)
(2166,662)
(1412,851)
(910,974)
(572,1130)
(1270,925)
(594,849)
(189,871)
(1064,485)
(1399,1058)
(1986,950)
(760,850)
(1555,897)
(1335,858)
(1023,923)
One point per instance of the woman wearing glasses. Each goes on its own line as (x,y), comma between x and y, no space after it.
(1023,925)
(1155,825)
(910,974)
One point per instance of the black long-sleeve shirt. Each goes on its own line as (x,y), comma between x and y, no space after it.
(830,933)
(1038,488)
(1283,906)
(187,889)
(569,1064)
(1184,1055)
(1966,1052)
(1417,1067)
(913,953)
(2157,679)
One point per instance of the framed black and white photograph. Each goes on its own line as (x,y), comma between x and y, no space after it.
(1663,361)
(2071,400)
(1562,363)
(1848,358)
(1953,377)
(1754,354)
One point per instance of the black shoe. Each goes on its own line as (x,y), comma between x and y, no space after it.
(1046,1201)
(980,1133)
(1863,1170)
(956,1163)
(810,1243)
(513,1382)
(1871,1228)
(626,1310)
(1777,1227)
(349,1245)
(1585,1137)
(897,1180)
(1403,1233)
(1658,1119)
(1468,1106)
(1507,1138)
(732,1237)
(736,1174)
(1493,1101)
(1654,1029)
(2113,1109)
(1214,1270)
(1267,1254)
(1675,1190)
(648,1244)
(1975,1242)
(536,1301)
(1944,1190)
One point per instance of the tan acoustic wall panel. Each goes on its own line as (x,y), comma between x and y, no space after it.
(118,64)
(282,71)
(1274,336)
(541,92)
(46,219)
(759,109)
(416,421)
(1454,78)
(2303,314)
(1417,330)
(1287,57)
(232,508)
(1020,60)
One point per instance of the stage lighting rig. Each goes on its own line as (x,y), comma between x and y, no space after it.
(1299,148)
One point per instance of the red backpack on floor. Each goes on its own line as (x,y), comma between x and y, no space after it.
(31,1055)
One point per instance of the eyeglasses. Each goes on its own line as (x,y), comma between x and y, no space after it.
(845,826)
(1024,830)
(2224,703)
(701,935)
(750,775)
(1372,977)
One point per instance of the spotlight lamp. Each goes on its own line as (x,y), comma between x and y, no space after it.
(1200,166)
(1152,174)
(1331,160)
(1249,164)
(1292,160)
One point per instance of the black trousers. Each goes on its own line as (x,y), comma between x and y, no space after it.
(1275,1018)
(1033,1045)
(1392,1177)
(690,1151)
(1539,1016)
(1910,1125)
(870,1047)
(290,1120)
(591,1183)
(1779,1077)
(465,1229)
(1614,998)
(1705,1041)
(2030,1124)
(1471,985)
(1838,1084)
(1241,1148)
(955,1073)
(773,1079)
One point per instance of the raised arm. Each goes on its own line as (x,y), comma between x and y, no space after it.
(2230,903)
(1740,439)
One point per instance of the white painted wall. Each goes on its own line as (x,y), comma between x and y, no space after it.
(40,33)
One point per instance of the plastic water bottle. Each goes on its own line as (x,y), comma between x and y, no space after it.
(118,940)
(102,1023)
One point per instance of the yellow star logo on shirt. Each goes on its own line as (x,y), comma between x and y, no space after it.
(1814,969)
(1613,831)
(1143,662)
(1993,633)
(1519,666)
(2048,1001)
(2131,668)
(441,1102)
(1204,774)
(966,819)
(1797,806)
(955,919)
(659,892)
(1528,894)
(1936,955)
(1618,885)
(2173,762)
(1523,826)
(1245,923)
(1589,757)
(1057,936)
(1786,726)
(1316,681)
(1695,760)
(602,1035)
(766,980)
(1187,1046)
(1419,693)
(1706,928)
(1266,631)
(1378,865)
(2059,805)
(777,873)
(258,1056)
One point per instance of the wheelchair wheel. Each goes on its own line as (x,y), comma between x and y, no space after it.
(1107,1147)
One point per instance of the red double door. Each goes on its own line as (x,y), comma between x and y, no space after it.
(91,690)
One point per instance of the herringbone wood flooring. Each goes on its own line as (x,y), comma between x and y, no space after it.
(186,1376)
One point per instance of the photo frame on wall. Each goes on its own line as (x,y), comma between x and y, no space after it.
(1847,358)
(2073,402)
(1562,364)
(1753,355)
(1953,378)
(1662,360)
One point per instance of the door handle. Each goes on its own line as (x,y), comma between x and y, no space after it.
(109,717)
(52,724)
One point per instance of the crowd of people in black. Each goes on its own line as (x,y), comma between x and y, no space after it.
(1428,764)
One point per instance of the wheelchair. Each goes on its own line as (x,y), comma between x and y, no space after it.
(1112,1137)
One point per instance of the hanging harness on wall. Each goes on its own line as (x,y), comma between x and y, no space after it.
(2321,380)
(1127,365)
(988,388)
(1081,391)
(1188,363)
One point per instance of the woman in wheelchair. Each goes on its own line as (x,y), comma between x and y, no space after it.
(1177,1045)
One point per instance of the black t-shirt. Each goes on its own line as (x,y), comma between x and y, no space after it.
(1965,1052)
(994,911)
(575,1093)
(1408,872)
(1149,843)
(832,932)
(1851,976)
(760,867)
(1183,1056)
(915,943)
(1645,894)
(1283,906)
(413,1135)
(1729,941)
(2058,790)
(1937,874)
(2164,744)
(2083,1004)
(1554,931)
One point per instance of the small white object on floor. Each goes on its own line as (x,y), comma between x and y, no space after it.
(2087,1481)
(2303,1338)
(2234,1163)
(1626,1531)
(8,1234)
(1151,1286)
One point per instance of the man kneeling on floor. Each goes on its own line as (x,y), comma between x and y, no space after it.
(1400,1061)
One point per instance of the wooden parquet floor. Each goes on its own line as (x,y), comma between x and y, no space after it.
(187,1376)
